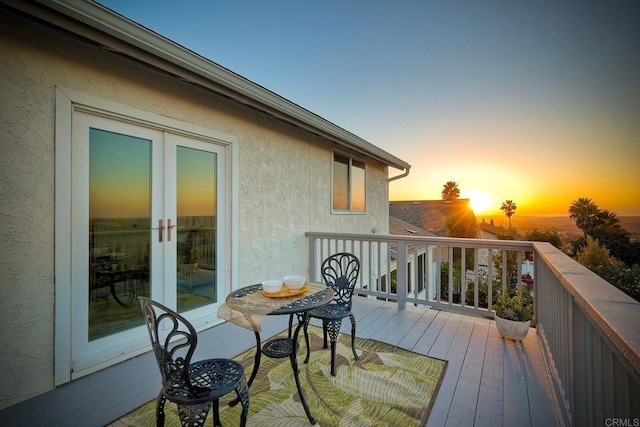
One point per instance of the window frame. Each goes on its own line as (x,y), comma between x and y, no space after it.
(350,158)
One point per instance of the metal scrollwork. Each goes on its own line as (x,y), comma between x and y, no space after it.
(193,386)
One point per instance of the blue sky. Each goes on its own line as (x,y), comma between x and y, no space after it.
(533,101)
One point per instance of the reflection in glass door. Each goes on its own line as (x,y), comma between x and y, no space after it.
(146,218)
(196,195)
(119,230)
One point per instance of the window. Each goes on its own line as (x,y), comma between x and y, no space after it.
(349,184)
(148,204)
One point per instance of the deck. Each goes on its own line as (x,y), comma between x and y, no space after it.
(489,381)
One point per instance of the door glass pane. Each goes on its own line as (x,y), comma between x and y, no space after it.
(119,230)
(196,185)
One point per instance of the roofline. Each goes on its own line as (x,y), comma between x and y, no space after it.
(94,21)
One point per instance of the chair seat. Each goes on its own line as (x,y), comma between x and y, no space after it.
(213,379)
(331,312)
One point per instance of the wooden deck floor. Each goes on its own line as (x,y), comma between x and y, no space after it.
(489,381)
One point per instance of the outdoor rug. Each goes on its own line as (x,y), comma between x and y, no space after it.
(387,386)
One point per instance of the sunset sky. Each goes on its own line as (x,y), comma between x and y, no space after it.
(533,101)
(120,178)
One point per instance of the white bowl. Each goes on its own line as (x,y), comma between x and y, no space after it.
(272,286)
(293,283)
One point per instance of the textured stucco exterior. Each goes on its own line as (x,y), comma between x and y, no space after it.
(283,188)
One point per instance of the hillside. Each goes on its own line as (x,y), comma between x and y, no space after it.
(562,224)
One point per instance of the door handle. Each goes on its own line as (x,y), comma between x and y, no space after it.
(169,227)
(160,228)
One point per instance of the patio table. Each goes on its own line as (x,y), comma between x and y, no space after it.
(247,306)
(109,278)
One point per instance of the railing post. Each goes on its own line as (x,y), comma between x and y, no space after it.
(402,277)
(312,260)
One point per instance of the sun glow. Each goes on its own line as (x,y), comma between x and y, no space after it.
(480,202)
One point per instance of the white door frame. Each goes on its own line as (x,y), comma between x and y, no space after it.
(68,102)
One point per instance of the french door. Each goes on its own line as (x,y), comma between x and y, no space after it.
(147,219)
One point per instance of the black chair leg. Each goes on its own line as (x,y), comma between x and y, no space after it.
(333,329)
(324,333)
(243,394)
(333,358)
(160,410)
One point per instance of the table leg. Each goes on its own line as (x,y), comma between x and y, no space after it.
(294,365)
(290,324)
(256,367)
(112,286)
(256,360)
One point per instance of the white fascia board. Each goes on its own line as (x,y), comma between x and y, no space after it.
(103,19)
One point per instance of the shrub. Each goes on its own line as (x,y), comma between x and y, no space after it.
(516,306)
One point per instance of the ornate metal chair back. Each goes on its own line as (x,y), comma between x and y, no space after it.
(173,340)
(340,272)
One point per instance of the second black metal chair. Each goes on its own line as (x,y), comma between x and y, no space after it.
(193,386)
(340,272)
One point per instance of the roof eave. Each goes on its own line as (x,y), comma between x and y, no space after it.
(199,70)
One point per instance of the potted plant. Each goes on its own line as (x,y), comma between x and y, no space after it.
(513,313)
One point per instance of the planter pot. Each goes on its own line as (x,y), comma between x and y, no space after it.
(456,298)
(512,329)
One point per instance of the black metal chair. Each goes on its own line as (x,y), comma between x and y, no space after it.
(340,272)
(193,386)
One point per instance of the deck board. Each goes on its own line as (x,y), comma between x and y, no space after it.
(430,335)
(398,326)
(491,392)
(489,381)
(465,399)
(515,386)
(539,385)
(455,353)
(413,336)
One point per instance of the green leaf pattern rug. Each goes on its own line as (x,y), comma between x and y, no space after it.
(387,386)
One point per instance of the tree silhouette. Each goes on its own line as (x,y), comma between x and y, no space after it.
(450,191)
(509,208)
(584,212)
(606,218)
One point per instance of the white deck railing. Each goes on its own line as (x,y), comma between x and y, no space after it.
(590,330)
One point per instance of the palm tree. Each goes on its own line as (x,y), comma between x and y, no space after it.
(606,218)
(450,191)
(509,208)
(584,212)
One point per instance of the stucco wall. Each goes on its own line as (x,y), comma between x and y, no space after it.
(283,190)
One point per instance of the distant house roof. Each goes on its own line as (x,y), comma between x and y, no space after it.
(99,25)
(399,227)
(430,215)
(403,228)
(489,228)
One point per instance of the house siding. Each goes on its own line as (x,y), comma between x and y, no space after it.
(283,190)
